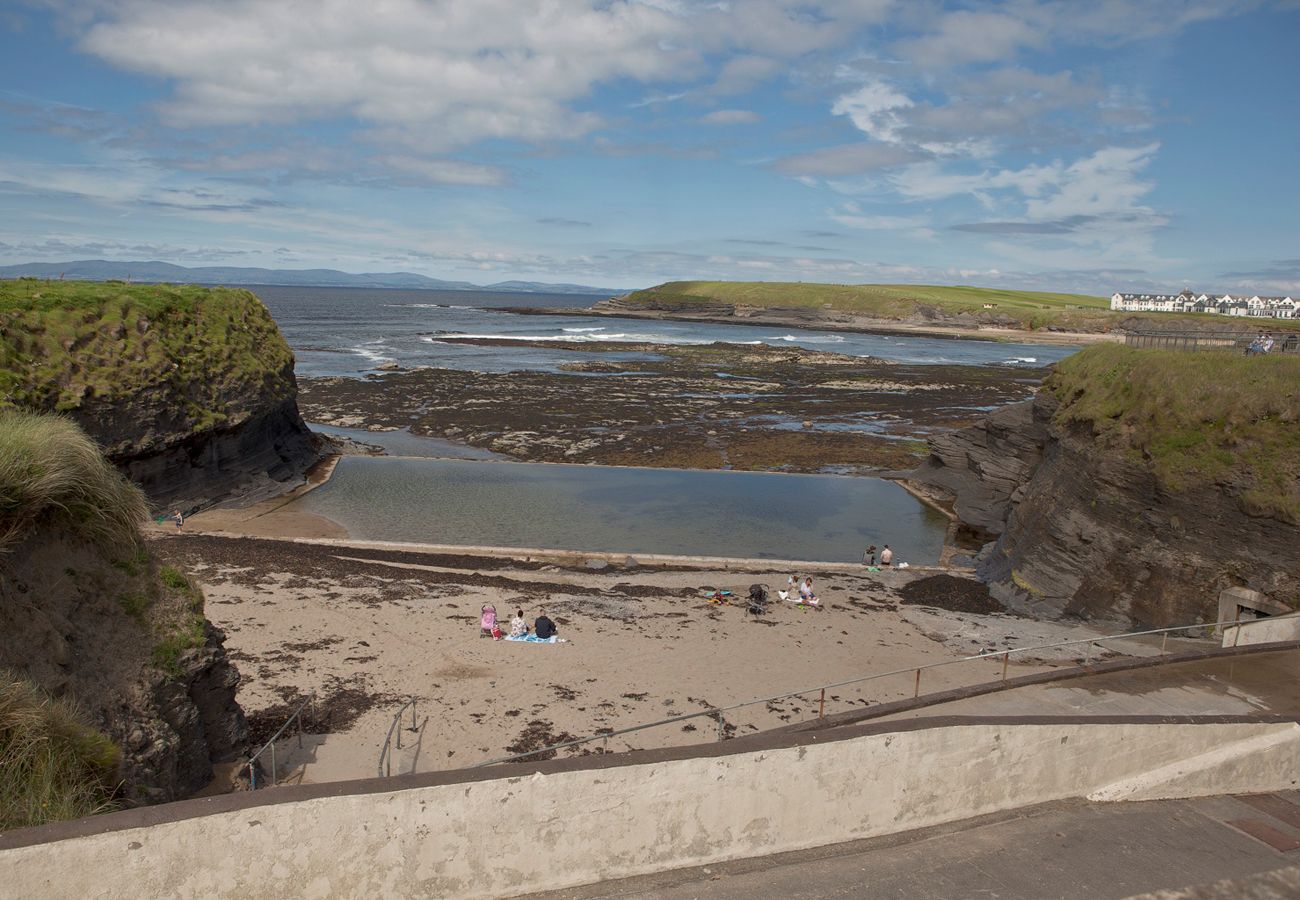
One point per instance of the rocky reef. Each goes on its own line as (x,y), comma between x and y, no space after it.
(190,391)
(1132,488)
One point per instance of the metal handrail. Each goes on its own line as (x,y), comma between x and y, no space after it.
(385,767)
(1005,655)
(270,745)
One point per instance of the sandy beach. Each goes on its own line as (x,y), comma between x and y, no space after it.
(366,629)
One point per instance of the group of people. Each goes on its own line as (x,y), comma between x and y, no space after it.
(1261,344)
(800,592)
(543,628)
(886,556)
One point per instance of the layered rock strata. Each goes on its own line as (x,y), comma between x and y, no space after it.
(1078,530)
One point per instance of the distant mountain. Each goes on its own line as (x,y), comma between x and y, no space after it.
(105,270)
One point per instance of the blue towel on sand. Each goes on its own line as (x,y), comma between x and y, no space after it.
(533,639)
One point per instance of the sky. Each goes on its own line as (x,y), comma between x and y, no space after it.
(1073,145)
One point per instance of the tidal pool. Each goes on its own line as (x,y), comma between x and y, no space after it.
(708,513)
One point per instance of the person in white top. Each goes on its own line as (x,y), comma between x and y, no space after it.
(886,556)
(518,625)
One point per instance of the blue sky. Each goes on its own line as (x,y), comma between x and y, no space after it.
(1056,144)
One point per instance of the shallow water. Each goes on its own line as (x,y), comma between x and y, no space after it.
(731,514)
(403,443)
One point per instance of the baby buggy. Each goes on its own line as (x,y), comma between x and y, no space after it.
(757,599)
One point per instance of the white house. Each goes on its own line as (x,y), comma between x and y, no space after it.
(1252,305)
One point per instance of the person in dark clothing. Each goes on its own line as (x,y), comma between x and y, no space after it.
(544,628)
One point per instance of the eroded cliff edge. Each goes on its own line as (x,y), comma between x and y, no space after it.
(189,390)
(88,616)
(1134,487)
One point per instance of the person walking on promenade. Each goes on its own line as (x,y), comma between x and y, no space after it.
(886,556)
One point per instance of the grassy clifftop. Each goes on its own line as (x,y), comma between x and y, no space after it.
(1029,310)
(64,345)
(1195,419)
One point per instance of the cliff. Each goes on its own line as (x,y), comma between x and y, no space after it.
(1135,486)
(189,390)
(88,616)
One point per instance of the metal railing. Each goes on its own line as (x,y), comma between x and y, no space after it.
(716,713)
(310,700)
(385,767)
(1235,341)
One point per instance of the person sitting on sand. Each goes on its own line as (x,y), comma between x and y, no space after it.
(886,556)
(518,626)
(544,628)
(488,621)
(806,594)
(869,556)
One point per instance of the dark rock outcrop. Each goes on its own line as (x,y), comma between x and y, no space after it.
(88,628)
(983,469)
(189,391)
(1081,531)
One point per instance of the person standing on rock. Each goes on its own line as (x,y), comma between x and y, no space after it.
(886,556)
(869,556)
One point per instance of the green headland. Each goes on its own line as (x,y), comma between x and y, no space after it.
(1025,310)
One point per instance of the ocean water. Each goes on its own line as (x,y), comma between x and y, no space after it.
(350,331)
(731,514)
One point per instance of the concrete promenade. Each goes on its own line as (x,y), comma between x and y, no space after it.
(1072,850)
(1258,683)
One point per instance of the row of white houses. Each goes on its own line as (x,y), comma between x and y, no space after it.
(1220,304)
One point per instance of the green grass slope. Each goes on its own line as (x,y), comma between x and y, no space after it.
(1195,419)
(1030,310)
(54,764)
(51,473)
(66,344)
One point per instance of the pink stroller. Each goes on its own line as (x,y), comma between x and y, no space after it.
(488,623)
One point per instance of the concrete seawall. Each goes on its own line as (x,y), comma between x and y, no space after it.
(517,829)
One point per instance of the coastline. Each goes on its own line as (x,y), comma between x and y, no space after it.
(855,325)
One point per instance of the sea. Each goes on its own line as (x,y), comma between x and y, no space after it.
(351,331)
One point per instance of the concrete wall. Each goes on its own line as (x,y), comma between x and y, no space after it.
(530,832)
(1263,631)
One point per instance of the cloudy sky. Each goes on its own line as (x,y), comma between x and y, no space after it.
(1061,144)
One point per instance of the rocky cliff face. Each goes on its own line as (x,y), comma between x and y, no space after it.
(131,649)
(190,391)
(1079,529)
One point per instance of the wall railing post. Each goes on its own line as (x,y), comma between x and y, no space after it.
(917,692)
(1006,658)
(821,705)
(274,779)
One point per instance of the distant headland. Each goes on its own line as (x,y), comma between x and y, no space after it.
(167,273)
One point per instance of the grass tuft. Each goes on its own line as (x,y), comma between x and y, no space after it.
(51,471)
(53,764)
(1193,419)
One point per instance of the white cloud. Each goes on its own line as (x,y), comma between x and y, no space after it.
(851,215)
(873,109)
(847,159)
(731,117)
(967,36)
(444,75)
(446,171)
